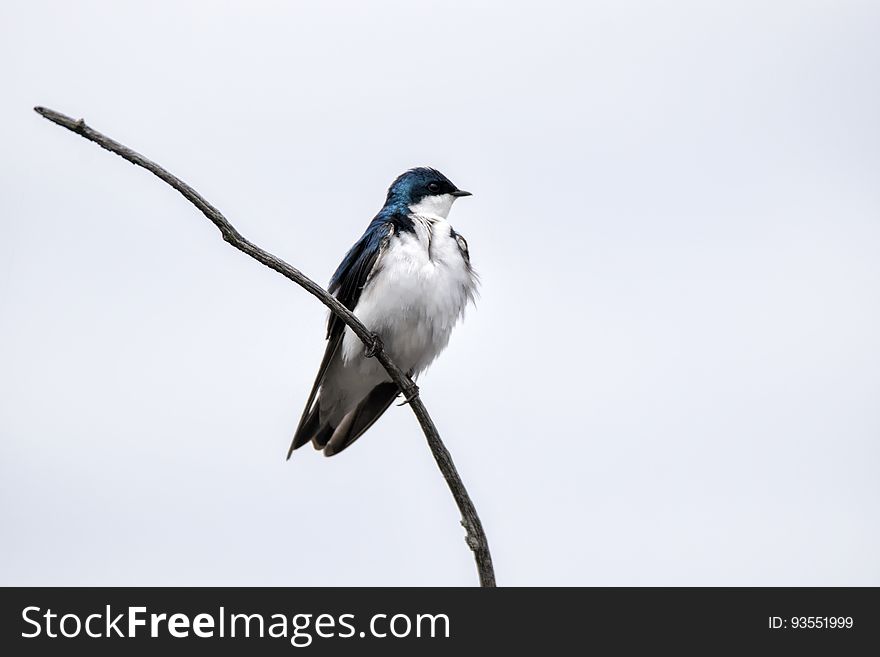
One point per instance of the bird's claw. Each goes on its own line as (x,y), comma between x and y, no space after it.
(374,348)
(410,394)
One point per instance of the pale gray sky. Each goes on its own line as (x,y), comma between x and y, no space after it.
(672,375)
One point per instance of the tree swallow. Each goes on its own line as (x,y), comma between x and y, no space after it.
(408,279)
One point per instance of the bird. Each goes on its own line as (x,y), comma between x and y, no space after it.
(408,279)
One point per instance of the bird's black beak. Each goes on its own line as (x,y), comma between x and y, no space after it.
(458,192)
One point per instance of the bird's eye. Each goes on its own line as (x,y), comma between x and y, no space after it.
(433,187)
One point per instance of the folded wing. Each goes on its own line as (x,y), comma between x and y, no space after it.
(347,283)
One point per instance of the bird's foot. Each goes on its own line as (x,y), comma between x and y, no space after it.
(375,346)
(410,394)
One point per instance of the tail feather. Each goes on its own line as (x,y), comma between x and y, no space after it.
(309,427)
(357,421)
(319,440)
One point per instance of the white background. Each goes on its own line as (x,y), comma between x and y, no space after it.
(672,375)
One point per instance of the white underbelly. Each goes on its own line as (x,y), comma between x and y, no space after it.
(414,299)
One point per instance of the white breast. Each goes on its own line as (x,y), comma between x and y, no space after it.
(417,293)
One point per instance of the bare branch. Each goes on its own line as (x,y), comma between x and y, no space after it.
(475,536)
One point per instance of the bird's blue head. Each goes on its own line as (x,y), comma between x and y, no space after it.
(424,191)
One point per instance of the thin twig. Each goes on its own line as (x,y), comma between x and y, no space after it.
(475,536)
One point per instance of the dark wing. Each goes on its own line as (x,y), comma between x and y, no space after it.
(310,421)
(462,245)
(346,285)
(355,269)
